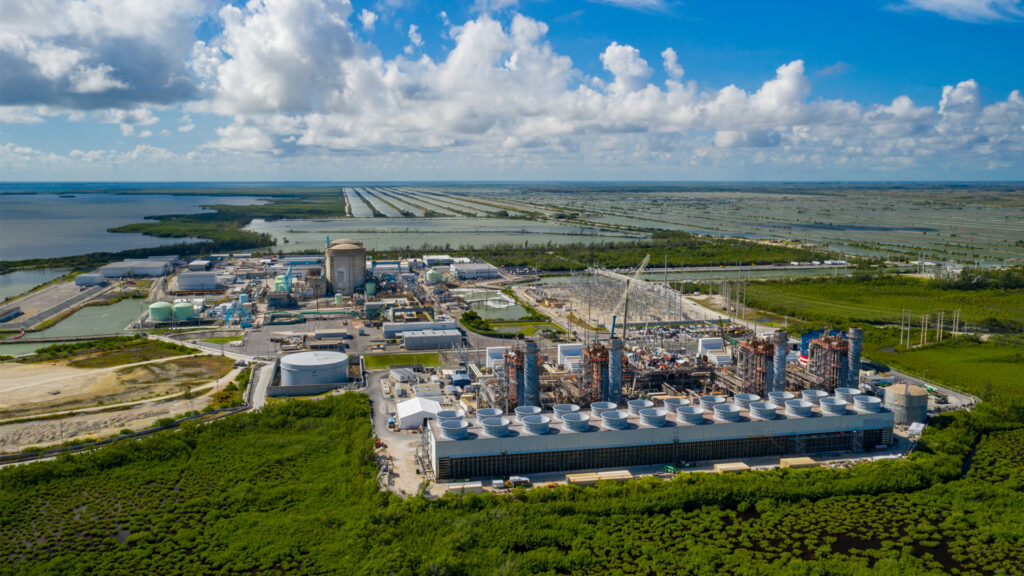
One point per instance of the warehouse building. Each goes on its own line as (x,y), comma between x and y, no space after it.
(199,265)
(394,329)
(474,271)
(437,260)
(90,280)
(607,438)
(198,281)
(414,413)
(135,268)
(431,339)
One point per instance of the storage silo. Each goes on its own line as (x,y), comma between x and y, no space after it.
(316,367)
(183,311)
(160,312)
(433,276)
(908,403)
(370,288)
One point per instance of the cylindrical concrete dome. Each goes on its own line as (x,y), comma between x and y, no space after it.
(495,426)
(576,421)
(780,398)
(455,429)
(847,394)
(635,406)
(690,415)
(483,413)
(865,403)
(832,406)
(727,412)
(653,417)
(744,400)
(814,396)
(159,312)
(615,419)
(798,408)
(709,402)
(183,311)
(317,367)
(522,411)
(598,408)
(672,403)
(762,410)
(445,415)
(536,424)
(563,409)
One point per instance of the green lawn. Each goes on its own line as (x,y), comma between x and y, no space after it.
(881,300)
(383,361)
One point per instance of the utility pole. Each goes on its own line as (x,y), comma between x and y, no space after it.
(924,330)
(938,334)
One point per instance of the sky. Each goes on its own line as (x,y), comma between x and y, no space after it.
(332,90)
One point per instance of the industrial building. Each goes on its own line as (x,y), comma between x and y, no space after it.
(570,356)
(568,439)
(135,268)
(90,280)
(437,260)
(346,266)
(394,329)
(431,339)
(199,265)
(414,413)
(198,281)
(474,271)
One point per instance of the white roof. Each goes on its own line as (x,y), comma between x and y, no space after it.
(916,429)
(416,407)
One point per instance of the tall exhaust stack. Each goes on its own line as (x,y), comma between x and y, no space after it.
(614,391)
(856,338)
(531,376)
(781,351)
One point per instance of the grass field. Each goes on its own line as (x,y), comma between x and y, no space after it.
(383,361)
(147,350)
(881,300)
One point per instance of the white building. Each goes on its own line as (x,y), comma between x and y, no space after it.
(90,280)
(431,339)
(135,268)
(496,356)
(198,281)
(394,329)
(706,344)
(474,271)
(199,265)
(570,356)
(437,260)
(412,413)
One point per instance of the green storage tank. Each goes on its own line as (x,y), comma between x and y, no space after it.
(159,312)
(371,288)
(183,311)
(337,299)
(433,276)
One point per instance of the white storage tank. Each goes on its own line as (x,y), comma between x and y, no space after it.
(317,367)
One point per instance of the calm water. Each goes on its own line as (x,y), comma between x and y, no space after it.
(392,233)
(15,283)
(92,320)
(48,226)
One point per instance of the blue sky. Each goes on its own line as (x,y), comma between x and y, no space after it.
(404,90)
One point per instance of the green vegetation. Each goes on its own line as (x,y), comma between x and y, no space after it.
(880,299)
(232,394)
(520,328)
(681,249)
(223,339)
(107,352)
(292,489)
(383,361)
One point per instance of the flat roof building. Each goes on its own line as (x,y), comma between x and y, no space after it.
(431,339)
(474,271)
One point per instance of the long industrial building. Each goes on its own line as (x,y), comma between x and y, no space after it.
(492,446)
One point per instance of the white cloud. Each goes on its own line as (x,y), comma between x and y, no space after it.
(970,10)
(671,63)
(368,19)
(658,5)
(629,69)
(414,36)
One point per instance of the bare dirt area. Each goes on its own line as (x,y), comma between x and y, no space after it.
(36,389)
(21,435)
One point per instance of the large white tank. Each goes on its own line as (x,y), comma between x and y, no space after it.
(317,367)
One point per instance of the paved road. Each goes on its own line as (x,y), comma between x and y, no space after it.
(259,394)
(206,347)
(76,300)
(400,446)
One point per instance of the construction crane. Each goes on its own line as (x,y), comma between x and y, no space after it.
(624,300)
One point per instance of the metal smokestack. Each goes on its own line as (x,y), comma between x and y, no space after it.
(856,338)
(614,391)
(781,351)
(532,376)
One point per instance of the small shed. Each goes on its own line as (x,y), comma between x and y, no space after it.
(413,413)
(402,375)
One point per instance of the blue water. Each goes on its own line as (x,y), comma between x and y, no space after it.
(47,225)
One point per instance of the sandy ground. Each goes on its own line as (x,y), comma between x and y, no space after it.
(15,437)
(37,388)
